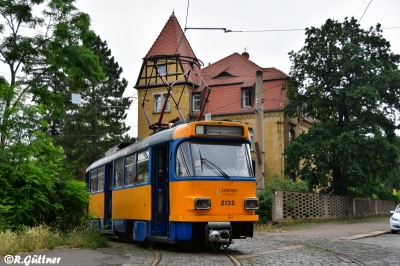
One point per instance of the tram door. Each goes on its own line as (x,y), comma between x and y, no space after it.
(160,190)
(108,197)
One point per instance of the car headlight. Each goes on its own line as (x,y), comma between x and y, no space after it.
(202,204)
(394,219)
(251,204)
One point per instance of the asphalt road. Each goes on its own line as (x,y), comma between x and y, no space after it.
(360,243)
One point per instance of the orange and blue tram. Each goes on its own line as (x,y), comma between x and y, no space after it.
(192,182)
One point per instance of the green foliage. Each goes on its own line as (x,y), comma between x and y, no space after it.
(54,53)
(264,211)
(398,196)
(34,185)
(97,124)
(266,196)
(29,180)
(73,196)
(348,81)
(291,205)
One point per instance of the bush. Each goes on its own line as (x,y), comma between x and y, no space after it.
(266,196)
(31,239)
(72,195)
(35,187)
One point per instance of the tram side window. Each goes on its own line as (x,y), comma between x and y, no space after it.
(118,173)
(93,180)
(143,167)
(100,179)
(129,170)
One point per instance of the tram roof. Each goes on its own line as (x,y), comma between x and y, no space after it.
(163,136)
(179,131)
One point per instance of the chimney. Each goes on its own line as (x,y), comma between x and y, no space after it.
(246,55)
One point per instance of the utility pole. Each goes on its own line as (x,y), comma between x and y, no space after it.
(259,136)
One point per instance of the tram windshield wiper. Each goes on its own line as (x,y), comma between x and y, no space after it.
(213,167)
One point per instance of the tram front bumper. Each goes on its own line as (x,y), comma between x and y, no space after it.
(219,232)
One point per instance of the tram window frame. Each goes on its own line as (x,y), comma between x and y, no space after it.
(187,162)
(93,176)
(118,175)
(142,172)
(100,180)
(130,179)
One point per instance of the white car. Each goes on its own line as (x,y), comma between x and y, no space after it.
(395,220)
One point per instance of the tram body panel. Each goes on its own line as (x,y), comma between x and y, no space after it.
(132,203)
(96,205)
(227,200)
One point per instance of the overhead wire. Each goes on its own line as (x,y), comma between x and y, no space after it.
(364,11)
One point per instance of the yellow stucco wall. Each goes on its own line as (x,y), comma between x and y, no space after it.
(143,127)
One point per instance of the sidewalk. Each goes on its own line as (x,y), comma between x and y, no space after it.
(343,230)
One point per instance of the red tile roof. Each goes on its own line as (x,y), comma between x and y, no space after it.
(172,41)
(239,72)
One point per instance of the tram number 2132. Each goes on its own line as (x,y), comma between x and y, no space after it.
(227,202)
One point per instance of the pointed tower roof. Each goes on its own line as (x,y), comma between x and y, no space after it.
(171,41)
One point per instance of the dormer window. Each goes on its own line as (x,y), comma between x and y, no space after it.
(247,98)
(223,74)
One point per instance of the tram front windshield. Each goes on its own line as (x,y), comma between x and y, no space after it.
(212,158)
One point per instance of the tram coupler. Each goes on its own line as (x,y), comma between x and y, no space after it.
(219,234)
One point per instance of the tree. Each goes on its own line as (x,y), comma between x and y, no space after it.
(47,59)
(97,124)
(46,47)
(34,184)
(347,80)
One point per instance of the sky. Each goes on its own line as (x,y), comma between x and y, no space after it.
(270,29)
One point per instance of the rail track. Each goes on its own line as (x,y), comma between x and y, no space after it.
(264,251)
(177,255)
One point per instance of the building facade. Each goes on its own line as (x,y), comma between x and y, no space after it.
(174,85)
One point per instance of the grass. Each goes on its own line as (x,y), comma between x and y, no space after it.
(43,237)
(298,224)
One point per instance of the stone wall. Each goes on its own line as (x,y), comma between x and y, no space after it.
(288,205)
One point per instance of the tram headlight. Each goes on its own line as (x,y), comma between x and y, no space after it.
(251,204)
(202,204)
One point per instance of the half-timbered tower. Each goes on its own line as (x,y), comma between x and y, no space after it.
(169,72)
